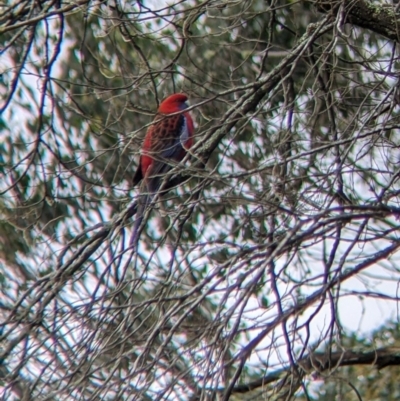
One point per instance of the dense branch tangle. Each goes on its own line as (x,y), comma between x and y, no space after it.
(286,206)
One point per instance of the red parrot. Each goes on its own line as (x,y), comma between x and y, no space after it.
(167,140)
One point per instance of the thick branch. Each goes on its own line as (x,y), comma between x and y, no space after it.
(381,19)
(320,362)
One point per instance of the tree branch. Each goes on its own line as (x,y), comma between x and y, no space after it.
(381,19)
(323,361)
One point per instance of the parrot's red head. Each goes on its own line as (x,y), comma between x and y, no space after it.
(173,103)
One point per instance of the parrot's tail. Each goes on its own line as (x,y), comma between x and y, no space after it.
(143,201)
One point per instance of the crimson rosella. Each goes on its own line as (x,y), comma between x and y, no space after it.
(165,143)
